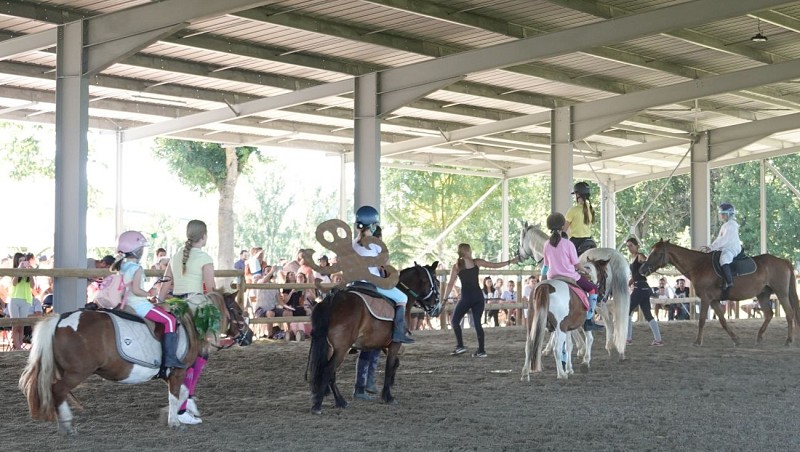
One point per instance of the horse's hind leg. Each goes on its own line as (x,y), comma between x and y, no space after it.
(336,360)
(766,310)
(61,394)
(789,310)
(392,363)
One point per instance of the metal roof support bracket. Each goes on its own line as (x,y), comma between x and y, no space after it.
(392,100)
(587,127)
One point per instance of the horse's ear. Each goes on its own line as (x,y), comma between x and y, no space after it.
(525,225)
(435,265)
(415,263)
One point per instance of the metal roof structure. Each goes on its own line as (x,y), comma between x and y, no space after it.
(642,89)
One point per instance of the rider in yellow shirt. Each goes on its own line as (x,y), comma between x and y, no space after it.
(580,219)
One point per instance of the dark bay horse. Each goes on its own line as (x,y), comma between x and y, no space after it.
(70,347)
(342,321)
(772,276)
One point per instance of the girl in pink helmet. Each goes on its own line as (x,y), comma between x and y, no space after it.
(131,245)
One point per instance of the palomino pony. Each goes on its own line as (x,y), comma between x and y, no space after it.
(554,303)
(609,270)
(70,347)
(342,321)
(773,275)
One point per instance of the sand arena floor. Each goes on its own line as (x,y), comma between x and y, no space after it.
(676,397)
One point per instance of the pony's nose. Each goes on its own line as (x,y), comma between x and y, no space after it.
(644,270)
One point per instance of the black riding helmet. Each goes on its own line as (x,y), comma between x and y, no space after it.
(556,221)
(582,189)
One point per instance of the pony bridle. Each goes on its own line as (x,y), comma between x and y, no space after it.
(244,331)
(432,292)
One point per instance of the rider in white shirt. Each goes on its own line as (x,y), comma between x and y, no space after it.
(728,243)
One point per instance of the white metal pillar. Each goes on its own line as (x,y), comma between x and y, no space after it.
(343,188)
(72,125)
(700,192)
(561,159)
(119,208)
(608,215)
(504,240)
(367,142)
(762,202)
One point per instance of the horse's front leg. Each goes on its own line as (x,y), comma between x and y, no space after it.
(392,363)
(526,367)
(558,352)
(608,322)
(702,322)
(568,347)
(724,323)
(551,342)
(177,394)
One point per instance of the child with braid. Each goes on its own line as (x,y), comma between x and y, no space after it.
(194,275)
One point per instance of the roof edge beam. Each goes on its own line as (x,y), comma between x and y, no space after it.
(571,40)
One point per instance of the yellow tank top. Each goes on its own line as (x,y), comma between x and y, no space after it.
(577,228)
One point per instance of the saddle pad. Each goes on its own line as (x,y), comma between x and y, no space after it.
(137,345)
(378,307)
(739,267)
(581,295)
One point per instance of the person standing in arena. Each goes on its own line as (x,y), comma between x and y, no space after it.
(640,296)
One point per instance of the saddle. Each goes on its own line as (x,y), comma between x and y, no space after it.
(378,306)
(742,264)
(576,289)
(136,338)
(586,245)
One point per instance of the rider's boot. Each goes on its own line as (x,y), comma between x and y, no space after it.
(588,324)
(169,347)
(727,275)
(399,333)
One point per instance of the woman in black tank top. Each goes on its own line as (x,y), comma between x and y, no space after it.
(640,296)
(467,268)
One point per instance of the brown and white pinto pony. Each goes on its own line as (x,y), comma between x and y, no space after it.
(69,348)
(772,276)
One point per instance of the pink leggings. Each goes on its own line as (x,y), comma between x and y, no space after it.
(192,375)
(163,317)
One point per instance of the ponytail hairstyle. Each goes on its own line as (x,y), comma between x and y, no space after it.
(463,250)
(118,258)
(556,236)
(588,212)
(195,231)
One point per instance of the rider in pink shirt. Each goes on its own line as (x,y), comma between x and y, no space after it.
(561,259)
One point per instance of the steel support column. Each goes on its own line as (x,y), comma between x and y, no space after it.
(367,142)
(608,215)
(762,202)
(504,239)
(72,124)
(700,189)
(561,159)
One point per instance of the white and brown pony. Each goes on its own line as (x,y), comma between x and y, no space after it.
(554,306)
(609,270)
(70,347)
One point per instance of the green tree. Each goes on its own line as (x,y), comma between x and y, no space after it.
(210,167)
(22,151)
(665,216)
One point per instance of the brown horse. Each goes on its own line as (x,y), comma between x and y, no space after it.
(342,321)
(772,276)
(69,348)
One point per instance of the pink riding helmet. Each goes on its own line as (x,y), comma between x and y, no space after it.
(130,241)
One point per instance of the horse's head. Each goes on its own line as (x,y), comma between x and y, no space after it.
(232,322)
(658,258)
(420,282)
(531,242)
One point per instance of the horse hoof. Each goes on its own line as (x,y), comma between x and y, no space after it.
(390,402)
(342,405)
(67,431)
(584,368)
(316,410)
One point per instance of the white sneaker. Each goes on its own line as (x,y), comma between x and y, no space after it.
(191,407)
(188,418)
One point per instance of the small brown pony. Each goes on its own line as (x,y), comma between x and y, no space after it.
(342,321)
(772,276)
(69,348)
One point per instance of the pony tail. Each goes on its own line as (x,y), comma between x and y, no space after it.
(117,265)
(187,248)
(588,212)
(556,237)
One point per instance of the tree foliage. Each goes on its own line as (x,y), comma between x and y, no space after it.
(199,165)
(21,150)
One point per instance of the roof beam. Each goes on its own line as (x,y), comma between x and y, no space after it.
(571,40)
(27,43)
(239,111)
(589,117)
